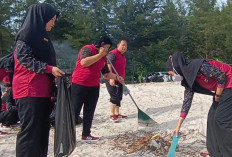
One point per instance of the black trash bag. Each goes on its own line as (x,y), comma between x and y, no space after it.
(65,131)
(79,121)
(52,115)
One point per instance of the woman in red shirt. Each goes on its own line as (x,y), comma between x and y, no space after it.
(35,68)
(203,76)
(90,64)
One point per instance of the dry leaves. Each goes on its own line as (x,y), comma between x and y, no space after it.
(152,142)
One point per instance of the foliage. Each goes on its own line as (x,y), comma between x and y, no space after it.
(154,29)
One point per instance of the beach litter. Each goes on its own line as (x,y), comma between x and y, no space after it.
(158,143)
(155,143)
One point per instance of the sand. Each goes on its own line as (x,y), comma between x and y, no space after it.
(161,101)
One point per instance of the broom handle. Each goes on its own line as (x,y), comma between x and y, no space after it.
(113,67)
(119,77)
(133,101)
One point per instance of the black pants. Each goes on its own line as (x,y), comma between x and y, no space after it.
(88,96)
(0,100)
(32,140)
(219,126)
(115,92)
(8,118)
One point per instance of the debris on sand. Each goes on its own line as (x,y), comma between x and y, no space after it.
(158,143)
(155,143)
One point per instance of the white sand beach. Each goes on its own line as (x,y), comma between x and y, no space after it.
(161,101)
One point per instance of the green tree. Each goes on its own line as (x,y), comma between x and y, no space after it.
(11,15)
(5,33)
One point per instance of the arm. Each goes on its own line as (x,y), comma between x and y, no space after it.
(213,72)
(10,102)
(115,77)
(11,107)
(26,58)
(106,73)
(87,59)
(188,97)
(112,58)
(110,75)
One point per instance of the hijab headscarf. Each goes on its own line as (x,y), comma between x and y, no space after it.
(33,32)
(7,62)
(186,69)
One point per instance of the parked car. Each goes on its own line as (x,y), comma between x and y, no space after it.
(157,77)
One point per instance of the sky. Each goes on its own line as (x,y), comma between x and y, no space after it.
(220,2)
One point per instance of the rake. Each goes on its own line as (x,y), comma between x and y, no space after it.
(143,118)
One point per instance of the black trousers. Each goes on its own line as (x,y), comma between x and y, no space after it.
(219,126)
(0,100)
(8,118)
(87,96)
(115,92)
(32,140)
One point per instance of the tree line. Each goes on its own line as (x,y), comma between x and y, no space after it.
(154,29)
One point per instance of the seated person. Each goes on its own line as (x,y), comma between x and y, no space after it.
(10,115)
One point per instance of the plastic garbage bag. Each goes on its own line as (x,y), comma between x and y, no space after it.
(65,133)
(52,115)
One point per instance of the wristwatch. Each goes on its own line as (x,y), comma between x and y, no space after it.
(218,95)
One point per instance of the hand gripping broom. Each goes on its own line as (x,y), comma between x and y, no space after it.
(143,118)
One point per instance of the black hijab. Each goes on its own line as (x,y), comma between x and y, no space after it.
(7,62)
(186,69)
(33,32)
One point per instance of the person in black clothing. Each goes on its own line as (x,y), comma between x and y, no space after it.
(208,77)
(6,70)
(10,115)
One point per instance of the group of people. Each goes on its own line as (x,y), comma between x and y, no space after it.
(35,69)
(91,63)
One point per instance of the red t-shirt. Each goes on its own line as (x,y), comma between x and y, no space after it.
(88,76)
